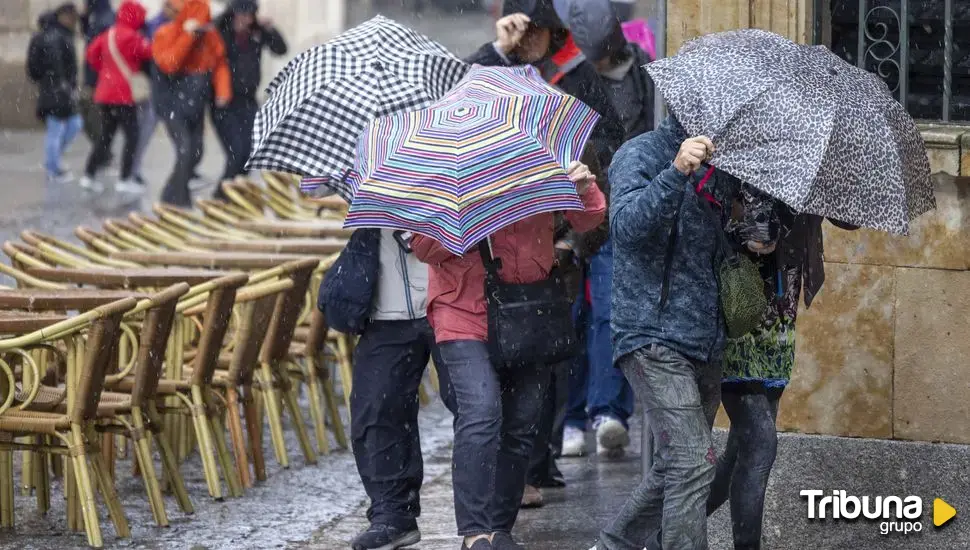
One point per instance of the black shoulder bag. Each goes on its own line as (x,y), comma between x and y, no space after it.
(530,323)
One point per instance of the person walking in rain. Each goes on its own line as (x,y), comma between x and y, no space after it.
(117,55)
(530,32)
(598,391)
(787,247)
(668,332)
(97,16)
(52,65)
(246,34)
(191,58)
(395,345)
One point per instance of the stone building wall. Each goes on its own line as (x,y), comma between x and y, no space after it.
(304,23)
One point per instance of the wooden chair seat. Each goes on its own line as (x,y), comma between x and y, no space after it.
(126,278)
(48,398)
(19,322)
(36,299)
(18,421)
(317,247)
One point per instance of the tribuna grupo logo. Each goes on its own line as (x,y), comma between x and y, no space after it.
(894,514)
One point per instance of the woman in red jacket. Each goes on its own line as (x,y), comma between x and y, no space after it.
(496,411)
(117,56)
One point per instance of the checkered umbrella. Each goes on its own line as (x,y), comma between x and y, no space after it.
(491,152)
(322,99)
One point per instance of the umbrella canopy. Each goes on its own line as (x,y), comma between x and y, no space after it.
(321,100)
(490,153)
(801,124)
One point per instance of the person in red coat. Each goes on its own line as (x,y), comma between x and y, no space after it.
(118,55)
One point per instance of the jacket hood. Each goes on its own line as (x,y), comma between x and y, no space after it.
(99,6)
(194,9)
(594,25)
(46,20)
(541,12)
(131,14)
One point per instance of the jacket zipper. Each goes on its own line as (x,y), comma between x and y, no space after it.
(668,265)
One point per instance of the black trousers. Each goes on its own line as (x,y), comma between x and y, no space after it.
(543,471)
(112,118)
(188,138)
(234,126)
(389,362)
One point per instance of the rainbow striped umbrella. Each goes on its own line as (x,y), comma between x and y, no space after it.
(489,153)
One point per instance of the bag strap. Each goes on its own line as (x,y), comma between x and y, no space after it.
(116,56)
(492,264)
(707,202)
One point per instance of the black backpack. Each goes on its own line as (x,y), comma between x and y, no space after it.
(347,290)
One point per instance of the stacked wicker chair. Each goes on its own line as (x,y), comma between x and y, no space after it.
(167,334)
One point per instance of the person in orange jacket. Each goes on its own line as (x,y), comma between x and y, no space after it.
(193,69)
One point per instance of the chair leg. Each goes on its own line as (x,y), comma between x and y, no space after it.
(206,449)
(42,477)
(316,407)
(75,520)
(433,377)
(234,419)
(169,461)
(271,403)
(254,429)
(423,398)
(345,365)
(289,394)
(6,489)
(222,452)
(335,421)
(27,471)
(107,487)
(84,487)
(143,457)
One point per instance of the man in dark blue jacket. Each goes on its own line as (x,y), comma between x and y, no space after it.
(668,330)
(246,35)
(97,17)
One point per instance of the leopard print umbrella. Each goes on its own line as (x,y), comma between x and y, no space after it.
(801,124)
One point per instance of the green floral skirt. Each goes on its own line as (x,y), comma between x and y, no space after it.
(765,357)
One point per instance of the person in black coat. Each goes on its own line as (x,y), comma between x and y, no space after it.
(96,17)
(245,34)
(52,65)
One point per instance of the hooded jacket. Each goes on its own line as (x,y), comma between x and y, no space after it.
(97,18)
(245,51)
(177,51)
(113,88)
(52,64)
(665,250)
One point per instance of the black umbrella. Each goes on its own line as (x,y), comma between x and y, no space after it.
(801,124)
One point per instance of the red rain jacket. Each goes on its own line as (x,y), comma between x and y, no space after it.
(112,87)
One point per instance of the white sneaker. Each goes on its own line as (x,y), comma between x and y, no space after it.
(90,184)
(61,178)
(129,187)
(611,436)
(573,441)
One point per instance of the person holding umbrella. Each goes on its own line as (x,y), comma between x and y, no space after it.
(531,32)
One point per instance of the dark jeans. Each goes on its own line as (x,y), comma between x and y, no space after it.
(188,138)
(543,471)
(743,469)
(389,362)
(680,398)
(113,117)
(496,420)
(596,386)
(234,126)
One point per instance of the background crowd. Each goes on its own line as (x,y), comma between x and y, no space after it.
(173,68)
